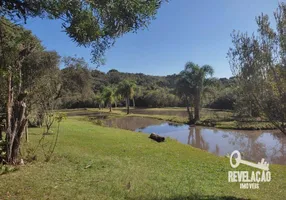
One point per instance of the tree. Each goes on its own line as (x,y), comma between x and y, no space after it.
(77,82)
(114,76)
(184,90)
(192,83)
(117,96)
(137,93)
(126,88)
(99,80)
(259,63)
(109,97)
(16,44)
(41,81)
(92,23)
(99,98)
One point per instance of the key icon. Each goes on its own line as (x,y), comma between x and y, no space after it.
(260,165)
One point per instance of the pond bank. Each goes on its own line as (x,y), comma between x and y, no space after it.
(210,118)
(238,125)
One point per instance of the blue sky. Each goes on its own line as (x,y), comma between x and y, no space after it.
(184,30)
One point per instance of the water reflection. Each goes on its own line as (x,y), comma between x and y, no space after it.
(196,140)
(253,145)
(180,113)
(131,123)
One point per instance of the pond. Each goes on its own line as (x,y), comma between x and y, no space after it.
(179,113)
(254,145)
(131,123)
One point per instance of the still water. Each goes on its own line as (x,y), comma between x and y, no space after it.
(131,123)
(254,145)
(179,113)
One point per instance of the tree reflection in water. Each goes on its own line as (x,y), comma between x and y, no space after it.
(254,145)
(196,139)
(249,145)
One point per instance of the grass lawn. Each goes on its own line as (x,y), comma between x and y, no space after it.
(94,162)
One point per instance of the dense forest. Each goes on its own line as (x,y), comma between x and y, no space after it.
(78,85)
(150,91)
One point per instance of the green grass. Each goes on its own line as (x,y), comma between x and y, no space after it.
(93,162)
(245,125)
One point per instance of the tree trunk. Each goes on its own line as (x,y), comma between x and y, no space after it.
(190,113)
(133,103)
(188,106)
(188,109)
(27,133)
(197,106)
(250,108)
(9,115)
(17,129)
(16,122)
(1,129)
(127,105)
(110,107)
(20,81)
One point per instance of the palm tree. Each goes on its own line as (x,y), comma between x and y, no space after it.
(117,96)
(99,98)
(127,89)
(193,79)
(109,96)
(184,91)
